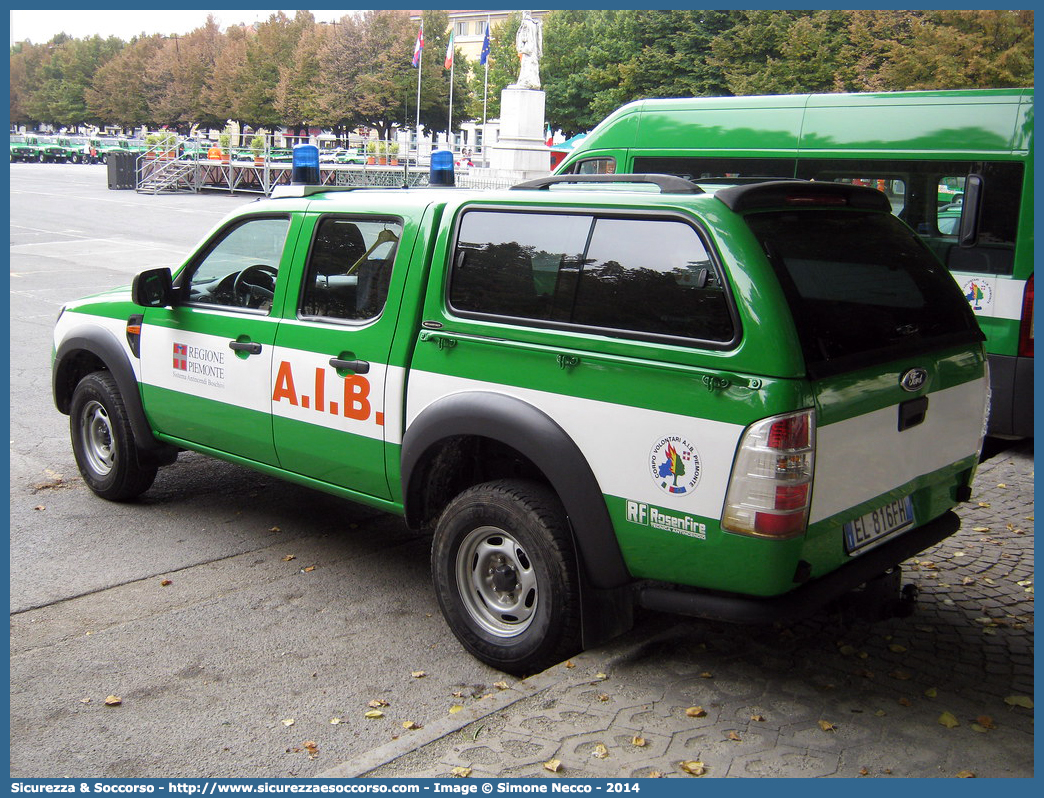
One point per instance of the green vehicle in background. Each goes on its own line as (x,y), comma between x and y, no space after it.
(54,150)
(24,148)
(969,152)
(78,149)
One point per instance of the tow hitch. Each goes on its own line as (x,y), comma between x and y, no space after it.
(884,596)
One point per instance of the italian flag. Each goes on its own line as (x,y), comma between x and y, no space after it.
(449,52)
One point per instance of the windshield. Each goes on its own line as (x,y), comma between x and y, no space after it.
(862,287)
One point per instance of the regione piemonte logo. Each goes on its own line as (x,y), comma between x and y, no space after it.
(181,357)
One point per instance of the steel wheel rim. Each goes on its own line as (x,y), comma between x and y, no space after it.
(97,439)
(487,559)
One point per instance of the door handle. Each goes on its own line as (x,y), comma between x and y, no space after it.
(250,347)
(358,366)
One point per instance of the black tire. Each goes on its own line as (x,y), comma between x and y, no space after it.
(103,441)
(506,577)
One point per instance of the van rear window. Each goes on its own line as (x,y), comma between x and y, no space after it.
(862,287)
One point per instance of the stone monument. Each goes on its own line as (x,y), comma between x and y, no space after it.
(521,150)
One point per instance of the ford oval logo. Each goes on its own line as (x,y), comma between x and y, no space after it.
(913,379)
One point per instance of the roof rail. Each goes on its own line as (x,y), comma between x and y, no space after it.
(669,184)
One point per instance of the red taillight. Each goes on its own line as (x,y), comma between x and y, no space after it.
(1026,328)
(771,486)
(790,432)
(814,199)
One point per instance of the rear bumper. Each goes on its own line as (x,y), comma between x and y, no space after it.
(808,598)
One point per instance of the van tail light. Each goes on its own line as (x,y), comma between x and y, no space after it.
(1026,328)
(771,486)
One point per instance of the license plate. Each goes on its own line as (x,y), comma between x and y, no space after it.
(878,524)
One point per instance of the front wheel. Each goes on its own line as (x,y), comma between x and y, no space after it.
(506,577)
(103,441)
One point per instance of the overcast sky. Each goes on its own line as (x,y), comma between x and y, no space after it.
(40,26)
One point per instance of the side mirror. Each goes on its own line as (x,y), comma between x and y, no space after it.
(153,289)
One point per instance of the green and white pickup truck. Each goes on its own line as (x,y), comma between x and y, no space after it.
(736,404)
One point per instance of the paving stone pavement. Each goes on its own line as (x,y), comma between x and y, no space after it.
(925,696)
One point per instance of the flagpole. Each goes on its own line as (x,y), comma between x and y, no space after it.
(420,66)
(449,123)
(485,91)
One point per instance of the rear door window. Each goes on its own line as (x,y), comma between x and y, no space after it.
(861,286)
(629,277)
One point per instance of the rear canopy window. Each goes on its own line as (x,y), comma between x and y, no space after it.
(862,287)
(634,277)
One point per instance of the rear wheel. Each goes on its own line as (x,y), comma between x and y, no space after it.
(103,441)
(506,576)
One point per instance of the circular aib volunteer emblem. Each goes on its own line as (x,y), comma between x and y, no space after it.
(675,465)
(978,293)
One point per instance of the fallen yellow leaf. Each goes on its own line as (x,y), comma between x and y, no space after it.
(600,751)
(373,713)
(501,685)
(826,725)
(895,648)
(696,712)
(460,772)
(638,741)
(335,721)
(734,737)
(931,692)
(948,720)
(288,722)
(693,767)
(418,674)
(113,701)
(554,765)
(986,721)
(410,725)
(966,774)
(569,664)
(377,703)
(309,569)
(758,718)
(601,676)
(706,675)
(1019,701)
(455,709)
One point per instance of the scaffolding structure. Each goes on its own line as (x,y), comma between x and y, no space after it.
(154,175)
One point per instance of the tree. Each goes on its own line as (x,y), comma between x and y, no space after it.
(117,92)
(781,52)
(965,50)
(298,94)
(178,74)
(269,49)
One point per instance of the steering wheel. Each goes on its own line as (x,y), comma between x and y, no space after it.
(254,285)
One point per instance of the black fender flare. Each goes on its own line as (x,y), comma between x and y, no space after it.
(104,346)
(539,438)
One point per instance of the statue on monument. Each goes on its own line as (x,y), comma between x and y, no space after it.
(529,43)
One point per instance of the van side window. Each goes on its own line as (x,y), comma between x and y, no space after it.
(931,201)
(633,276)
(349,268)
(596,166)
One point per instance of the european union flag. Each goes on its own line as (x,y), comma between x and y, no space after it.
(484,57)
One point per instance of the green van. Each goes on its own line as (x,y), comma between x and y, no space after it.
(925,150)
